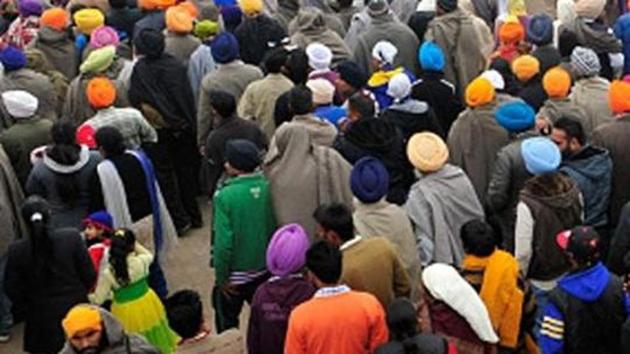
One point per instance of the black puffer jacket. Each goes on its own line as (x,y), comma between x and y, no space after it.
(254,36)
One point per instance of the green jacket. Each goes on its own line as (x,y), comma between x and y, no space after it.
(243,224)
(20,139)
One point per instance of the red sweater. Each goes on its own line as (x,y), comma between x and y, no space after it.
(347,323)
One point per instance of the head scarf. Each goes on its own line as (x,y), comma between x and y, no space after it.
(619,97)
(98,60)
(399,87)
(101,92)
(104,36)
(479,92)
(19,103)
(80,318)
(87,20)
(515,116)
(541,155)
(12,58)
(427,152)
(431,57)
(149,42)
(557,83)
(585,62)
(369,180)
(525,67)
(178,20)
(323,91)
(286,253)
(55,18)
(319,56)
(225,48)
(540,30)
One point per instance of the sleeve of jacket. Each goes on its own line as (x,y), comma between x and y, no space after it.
(204,116)
(523,236)
(499,186)
(246,108)
(223,237)
(552,331)
(253,341)
(146,132)
(402,284)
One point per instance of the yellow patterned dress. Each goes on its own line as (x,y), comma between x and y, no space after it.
(136,305)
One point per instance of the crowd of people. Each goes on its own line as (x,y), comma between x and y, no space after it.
(404,176)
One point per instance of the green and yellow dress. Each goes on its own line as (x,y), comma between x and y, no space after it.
(136,305)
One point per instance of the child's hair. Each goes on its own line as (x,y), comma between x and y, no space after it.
(123,243)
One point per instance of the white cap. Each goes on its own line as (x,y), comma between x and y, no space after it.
(20,104)
(399,87)
(319,56)
(384,52)
(495,78)
(323,91)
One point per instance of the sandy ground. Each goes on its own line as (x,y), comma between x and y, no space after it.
(186,269)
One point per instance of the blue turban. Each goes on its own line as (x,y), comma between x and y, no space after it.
(12,58)
(516,116)
(224,48)
(540,30)
(431,57)
(541,155)
(369,180)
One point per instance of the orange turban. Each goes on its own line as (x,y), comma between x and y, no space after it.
(511,32)
(101,92)
(557,83)
(619,97)
(479,92)
(55,18)
(525,67)
(81,318)
(155,4)
(178,20)
(191,8)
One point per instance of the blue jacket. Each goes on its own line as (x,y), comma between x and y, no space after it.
(622,31)
(331,113)
(587,286)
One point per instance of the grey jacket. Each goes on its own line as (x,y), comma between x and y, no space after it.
(118,341)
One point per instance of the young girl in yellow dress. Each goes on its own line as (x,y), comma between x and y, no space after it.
(134,304)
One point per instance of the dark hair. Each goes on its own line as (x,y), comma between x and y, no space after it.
(118,4)
(403,324)
(111,140)
(281,111)
(567,41)
(222,102)
(504,68)
(123,243)
(185,313)
(65,151)
(300,100)
(478,238)
(342,4)
(297,66)
(573,128)
(363,104)
(325,262)
(36,213)
(275,60)
(335,217)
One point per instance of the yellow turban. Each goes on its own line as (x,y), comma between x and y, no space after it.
(479,92)
(81,318)
(427,152)
(557,83)
(87,20)
(178,20)
(251,7)
(525,67)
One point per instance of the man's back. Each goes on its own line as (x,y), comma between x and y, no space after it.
(339,321)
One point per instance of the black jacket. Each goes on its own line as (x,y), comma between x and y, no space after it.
(620,244)
(548,56)
(533,93)
(254,36)
(423,342)
(440,95)
(46,299)
(411,117)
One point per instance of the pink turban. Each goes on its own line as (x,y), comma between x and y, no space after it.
(286,252)
(104,36)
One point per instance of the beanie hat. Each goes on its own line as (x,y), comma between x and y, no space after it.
(540,30)
(447,5)
(28,8)
(224,48)
(87,20)
(585,62)
(206,29)
(377,7)
(19,103)
(12,58)
(242,154)
(515,116)
(557,83)
(178,20)
(101,92)
(80,318)
(55,18)
(351,73)
(427,152)
(399,87)
(384,52)
(369,180)
(525,67)
(104,36)
(149,42)
(323,91)
(190,7)
(511,32)
(619,97)
(495,78)
(319,56)
(590,9)
(85,136)
(101,219)
(155,4)
(541,155)
(286,253)
(431,57)
(479,92)
(98,60)
(251,7)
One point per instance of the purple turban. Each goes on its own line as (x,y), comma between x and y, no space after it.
(286,252)
(30,8)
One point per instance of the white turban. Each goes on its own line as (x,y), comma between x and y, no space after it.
(399,87)
(20,104)
(384,52)
(319,56)
(495,79)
